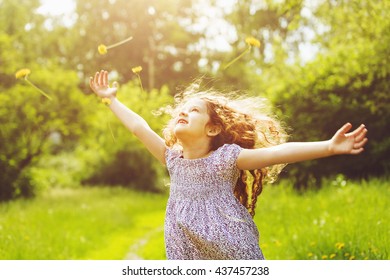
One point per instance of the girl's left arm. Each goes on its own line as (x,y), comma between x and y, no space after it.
(341,143)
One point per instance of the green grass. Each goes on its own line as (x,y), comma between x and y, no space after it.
(345,220)
(90,223)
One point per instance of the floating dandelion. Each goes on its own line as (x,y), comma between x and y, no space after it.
(251,42)
(103,49)
(136,70)
(23,74)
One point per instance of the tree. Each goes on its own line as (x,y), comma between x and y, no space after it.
(160,39)
(347,79)
(28,120)
(32,125)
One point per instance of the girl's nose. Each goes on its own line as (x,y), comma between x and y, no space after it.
(182,114)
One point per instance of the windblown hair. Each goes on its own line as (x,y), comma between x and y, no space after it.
(243,121)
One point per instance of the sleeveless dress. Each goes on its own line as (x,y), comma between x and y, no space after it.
(204,220)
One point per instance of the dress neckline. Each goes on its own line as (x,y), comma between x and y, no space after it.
(197,159)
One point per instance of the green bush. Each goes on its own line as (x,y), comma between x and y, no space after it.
(118,157)
(132,169)
(28,122)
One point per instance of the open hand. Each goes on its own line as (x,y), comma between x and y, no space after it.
(349,143)
(99,85)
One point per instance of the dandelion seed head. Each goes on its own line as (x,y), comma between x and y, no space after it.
(22,73)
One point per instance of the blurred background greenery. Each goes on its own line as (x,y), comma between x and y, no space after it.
(321,63)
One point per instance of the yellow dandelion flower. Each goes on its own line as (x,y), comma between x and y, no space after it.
(310,255)
(352,257)
(103,49)
(346,255)
(106,101)
(251,41)
(22,73)
(136,69)
(278,243)
(324,257)
(332,256)
(340,245)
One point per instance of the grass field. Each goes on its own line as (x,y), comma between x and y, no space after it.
(345,220)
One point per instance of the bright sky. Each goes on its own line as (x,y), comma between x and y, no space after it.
(55,8)
(219,36)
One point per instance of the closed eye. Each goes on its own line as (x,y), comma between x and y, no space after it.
(194,110)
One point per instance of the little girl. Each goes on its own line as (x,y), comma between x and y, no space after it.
(218,151)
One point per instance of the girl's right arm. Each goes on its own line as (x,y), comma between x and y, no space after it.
(132,121)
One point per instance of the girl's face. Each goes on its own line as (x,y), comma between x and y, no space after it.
(192,119)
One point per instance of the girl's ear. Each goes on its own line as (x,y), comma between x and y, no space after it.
(213,130)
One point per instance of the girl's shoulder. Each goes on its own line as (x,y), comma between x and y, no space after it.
(172,152)
(229,151)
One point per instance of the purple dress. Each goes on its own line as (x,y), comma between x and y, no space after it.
(204,220)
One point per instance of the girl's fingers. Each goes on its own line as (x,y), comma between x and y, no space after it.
(360,144)
(101,78)
(357,131)
(344,129)
(96,78)
(357,151)
(105,78)
(361,135)
(91,84)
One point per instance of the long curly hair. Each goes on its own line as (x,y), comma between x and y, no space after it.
(245,121)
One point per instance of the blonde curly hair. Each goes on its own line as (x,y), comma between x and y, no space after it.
(244,121)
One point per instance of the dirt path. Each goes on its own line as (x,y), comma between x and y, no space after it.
(134,248)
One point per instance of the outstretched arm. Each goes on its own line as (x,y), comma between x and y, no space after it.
(341,143)
(132,121)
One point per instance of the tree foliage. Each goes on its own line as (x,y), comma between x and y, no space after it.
(159,45)
(344,78)
(347,81)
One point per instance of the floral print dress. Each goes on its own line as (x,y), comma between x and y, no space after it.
(204,220)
